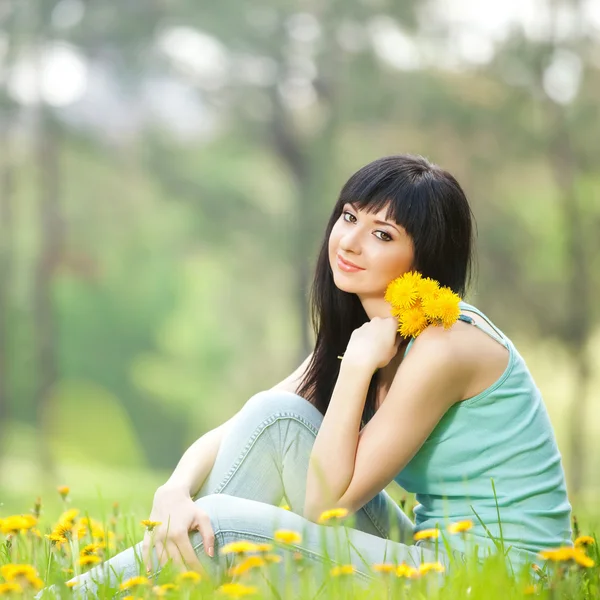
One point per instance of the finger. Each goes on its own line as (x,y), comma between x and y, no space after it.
(174,554)
(208,535)
(186,551)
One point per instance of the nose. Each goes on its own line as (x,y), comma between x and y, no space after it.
(350,242)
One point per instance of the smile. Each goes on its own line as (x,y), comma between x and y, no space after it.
(348,267)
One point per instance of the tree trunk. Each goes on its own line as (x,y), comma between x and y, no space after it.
(578,310)
(50,244)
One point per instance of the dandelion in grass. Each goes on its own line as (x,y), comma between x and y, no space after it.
(150,525)
(531,590)
(384,568)
(189,577)
(286,536)
(428,567)
(71,584)
(89,559)
(264,547)
(460,526)
(582,559)
(133,597)
(273,558)
(92,549)
(63,490)
(333,514)
(239,547)
(426,534)
(9,588)
(252,562)
(584,540)
(25,575)
(237,590)
(285,507)
(562,554)
(17,523)
(134,582)
(342,570)
(69,516)
(407,571)
(164,589)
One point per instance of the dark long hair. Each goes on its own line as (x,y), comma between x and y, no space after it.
(431,206)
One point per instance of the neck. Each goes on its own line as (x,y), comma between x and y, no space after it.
(375,306)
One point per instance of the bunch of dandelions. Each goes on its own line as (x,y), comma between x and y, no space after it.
(419,301)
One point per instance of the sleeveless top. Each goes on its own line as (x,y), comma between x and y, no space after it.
(501,438)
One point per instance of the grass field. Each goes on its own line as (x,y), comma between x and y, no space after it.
(49,542)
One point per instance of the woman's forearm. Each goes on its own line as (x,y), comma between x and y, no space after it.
(197,461)
(333,455)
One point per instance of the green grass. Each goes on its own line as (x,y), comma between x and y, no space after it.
(487,579)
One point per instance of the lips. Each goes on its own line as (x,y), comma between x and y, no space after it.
(347,263)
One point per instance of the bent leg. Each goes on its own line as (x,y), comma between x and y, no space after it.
(264,456)
(234,519)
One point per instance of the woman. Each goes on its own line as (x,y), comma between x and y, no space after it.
(454,417)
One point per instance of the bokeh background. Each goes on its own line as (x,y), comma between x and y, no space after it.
(166,171)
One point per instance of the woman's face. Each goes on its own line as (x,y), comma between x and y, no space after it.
(383,251)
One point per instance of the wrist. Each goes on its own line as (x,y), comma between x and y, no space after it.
(358,364)
(174,487)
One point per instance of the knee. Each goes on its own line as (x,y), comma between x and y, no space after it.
(280,402)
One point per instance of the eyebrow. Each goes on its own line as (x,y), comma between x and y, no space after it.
(353,205)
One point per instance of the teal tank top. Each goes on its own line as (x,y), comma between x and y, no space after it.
(503,434)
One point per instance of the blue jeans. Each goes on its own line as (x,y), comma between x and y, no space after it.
(263,458)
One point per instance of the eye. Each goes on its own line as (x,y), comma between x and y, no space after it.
(348,213)
(387,235)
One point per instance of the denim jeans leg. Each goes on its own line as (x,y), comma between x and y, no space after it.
(264,456)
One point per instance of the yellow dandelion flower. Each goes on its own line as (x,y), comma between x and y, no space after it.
(133,582)
(89,559)
(443,307)
(530,590)
(272,558)
(264,547)
(584,540)
(286,536)
(405,570)
(63,531)
(403,291)
(384,568)
(252,562)
(426,534)
(237,590)
(164,589)
(427,287)
(238,547)
(285,507)
(71,584)
(582,559)
(427,567)
(189,576)
(412,322)
(150,525)
(342,570)
(12,571)
(562,554)
(130,597)
(68,571)
(17,523)
(334,513)
(92,549)
(69,516)
(10,588)
(460,526)
(63,490)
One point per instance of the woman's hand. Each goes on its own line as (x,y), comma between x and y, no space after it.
(178,514)
(374,343)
